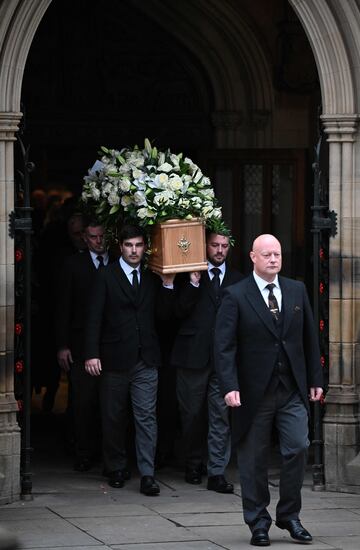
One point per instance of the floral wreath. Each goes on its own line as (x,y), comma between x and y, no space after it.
(147,186)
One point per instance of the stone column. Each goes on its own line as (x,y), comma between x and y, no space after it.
(341,422)
(9,429)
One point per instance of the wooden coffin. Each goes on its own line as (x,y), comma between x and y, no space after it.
(178,246)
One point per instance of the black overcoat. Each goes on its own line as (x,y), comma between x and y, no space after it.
(247,345)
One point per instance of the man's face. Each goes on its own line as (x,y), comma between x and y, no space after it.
(266,257)
(75,231)
(94,239)
(217,248)
(132,250)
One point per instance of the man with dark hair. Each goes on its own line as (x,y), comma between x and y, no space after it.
(122,347)
(202,409)
(268,363)
(74,295)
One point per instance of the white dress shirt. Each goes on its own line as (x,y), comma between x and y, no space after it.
(128,270)
(96,261)
(222,268)
(261,283)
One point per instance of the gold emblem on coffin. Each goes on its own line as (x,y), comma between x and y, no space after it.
(184,244)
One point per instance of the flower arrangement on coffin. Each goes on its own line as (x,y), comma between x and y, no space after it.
(155,189)
(147,186)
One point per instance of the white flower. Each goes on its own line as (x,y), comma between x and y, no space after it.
(175,183)
(95,193)
(163,198)
(198,176)
(143,213)
(161,158)
(140,198)
(206,181)
(107,188)
(126,200)
(113,198)
(207,193)
(138,174)
(160,181)
(217,213)
(124,185)
(184,203)
(175,161)
(165,167)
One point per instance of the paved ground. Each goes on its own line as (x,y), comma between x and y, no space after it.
(80,512)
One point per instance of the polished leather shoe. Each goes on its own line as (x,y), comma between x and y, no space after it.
(116,479)
(260,537)
(219,484)
(193,476)
(148,486)
(83,465)
(296,530)
(126,473)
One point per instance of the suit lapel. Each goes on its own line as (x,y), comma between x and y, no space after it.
(88,259)
(257,302)
(288,303)
(205,280)
(144,279)
(123,281)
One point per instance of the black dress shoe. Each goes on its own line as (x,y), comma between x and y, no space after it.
(193,476)
(219,484)
(116,479)
(83,465)
(295,529)
(126,473)
(260,537)
(148,486)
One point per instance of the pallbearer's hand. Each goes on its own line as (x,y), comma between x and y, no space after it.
(93,366)
(167,278)
(232,399)
(195,277)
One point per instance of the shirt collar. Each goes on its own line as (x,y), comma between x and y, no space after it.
(262,284)
(128,269)
(94,256)
(222,267)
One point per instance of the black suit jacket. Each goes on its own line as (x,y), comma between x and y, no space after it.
(74,293)
(196,310)
(247,345)
(121,327)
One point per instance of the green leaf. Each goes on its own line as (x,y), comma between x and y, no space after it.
(114,208)
(105,149)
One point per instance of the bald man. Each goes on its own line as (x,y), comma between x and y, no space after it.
(268,364)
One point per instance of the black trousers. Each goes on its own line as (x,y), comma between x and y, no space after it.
(86,411)
(287,413)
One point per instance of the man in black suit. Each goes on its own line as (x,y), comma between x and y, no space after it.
(74,293)
(122,346)
(202,409)
(268,363)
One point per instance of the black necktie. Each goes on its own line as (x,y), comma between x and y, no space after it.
(135,281)
(273,303)
(216,280)
(100,259)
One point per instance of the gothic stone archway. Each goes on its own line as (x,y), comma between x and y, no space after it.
(333,32)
